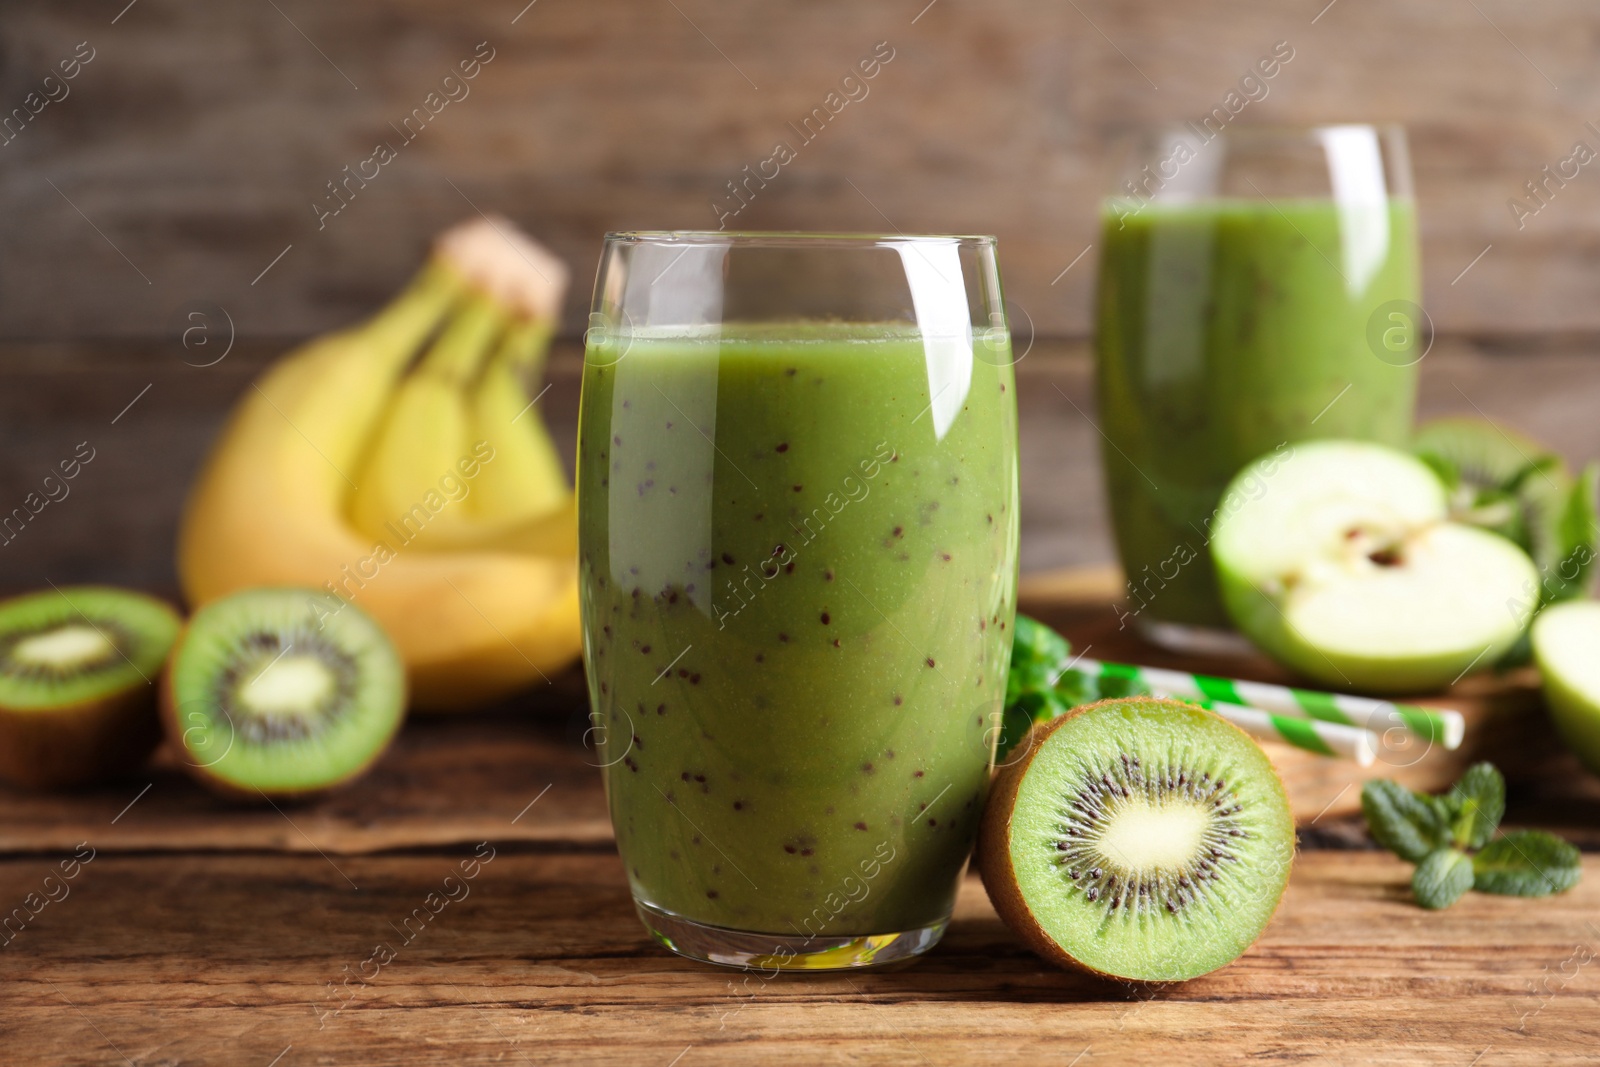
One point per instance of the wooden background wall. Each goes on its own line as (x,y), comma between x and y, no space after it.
(191,148)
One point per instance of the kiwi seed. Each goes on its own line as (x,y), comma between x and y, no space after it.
(1101,872)
(261,718)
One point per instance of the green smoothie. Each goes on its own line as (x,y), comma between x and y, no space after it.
(798,568)
(1228,329)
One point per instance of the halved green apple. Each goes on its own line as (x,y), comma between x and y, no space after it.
(1566,645)
(1338,559)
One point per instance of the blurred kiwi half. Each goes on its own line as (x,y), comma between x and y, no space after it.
(1510,484)
(281,692)
(78,672)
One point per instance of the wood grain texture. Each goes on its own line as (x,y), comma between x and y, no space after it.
(522,773)
(445,781)
(240,959)
(193,931)
(200,136)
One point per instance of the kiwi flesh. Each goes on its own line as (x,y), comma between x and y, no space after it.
(1139,838)
(281,692)
(78,671)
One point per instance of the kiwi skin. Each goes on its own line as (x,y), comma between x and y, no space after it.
(84,742)
(994,843)
(80,743)
(169,723)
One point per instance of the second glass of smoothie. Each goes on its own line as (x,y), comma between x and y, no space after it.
(1257,287)
(797,492)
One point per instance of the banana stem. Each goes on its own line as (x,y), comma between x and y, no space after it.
(402,326)
(525,346)
(467,340)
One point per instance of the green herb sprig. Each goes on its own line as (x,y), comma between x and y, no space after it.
(1040,686)
(1450,837)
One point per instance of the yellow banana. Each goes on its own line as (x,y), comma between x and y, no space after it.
(517,499)
(526,479)
(521,481)
(419,452)
(269,508)
(525,483)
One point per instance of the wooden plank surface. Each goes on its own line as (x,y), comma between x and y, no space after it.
(445,781)
(451,780)
(242,959)
(195,931)
(200,137)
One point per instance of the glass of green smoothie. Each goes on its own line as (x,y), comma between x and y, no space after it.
(1257,288)
(797,510)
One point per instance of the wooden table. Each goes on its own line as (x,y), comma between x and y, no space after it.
(205,933)
(199,932)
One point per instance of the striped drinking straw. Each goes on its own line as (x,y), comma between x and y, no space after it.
(1335,709)
(1323,738)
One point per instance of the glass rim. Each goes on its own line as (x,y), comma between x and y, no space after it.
(793,238)
(1249,130)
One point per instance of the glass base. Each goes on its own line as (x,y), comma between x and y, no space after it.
(1193,640)
(780,952)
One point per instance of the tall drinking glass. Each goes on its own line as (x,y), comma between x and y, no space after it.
(797,508)
(1258,287)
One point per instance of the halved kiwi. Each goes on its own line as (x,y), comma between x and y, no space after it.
(1477,454)
(1139,838)
(280,692)
(78,667)
(1508,483)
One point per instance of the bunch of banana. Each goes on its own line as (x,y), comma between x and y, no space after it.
(402,465)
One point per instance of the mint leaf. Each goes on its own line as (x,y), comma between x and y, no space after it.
(1020,715)
(1040,687)
(1077,687)
(1038,654)
(1577,541)
(1447,472)
(1122,687)
(1038,657)
(1526,863)
(1409,825)
(1441,878)
(1015,722)
(1476,803)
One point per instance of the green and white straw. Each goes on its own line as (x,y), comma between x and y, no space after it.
(1303,705)
(1323,738)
